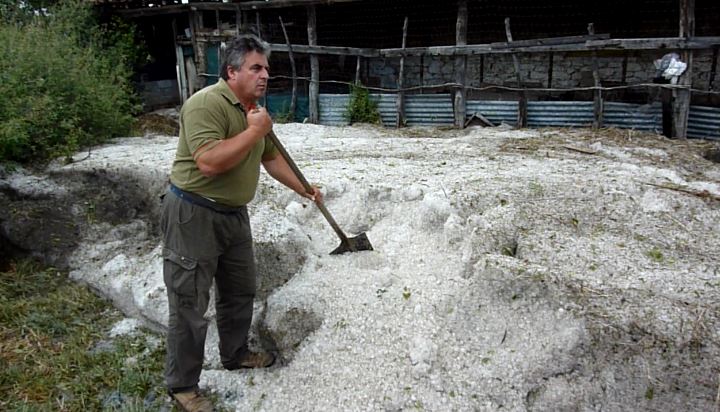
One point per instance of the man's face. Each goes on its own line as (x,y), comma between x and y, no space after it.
(250,81)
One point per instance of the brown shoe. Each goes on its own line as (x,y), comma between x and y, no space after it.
(256,360)
(192,401)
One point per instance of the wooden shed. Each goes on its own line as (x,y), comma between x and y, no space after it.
(466,54)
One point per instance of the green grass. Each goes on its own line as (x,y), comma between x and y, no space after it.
(55,353)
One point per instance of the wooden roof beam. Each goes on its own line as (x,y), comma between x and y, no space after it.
(251,5)
(325,50)
(673,43)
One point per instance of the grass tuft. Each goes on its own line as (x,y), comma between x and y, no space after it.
(55,353)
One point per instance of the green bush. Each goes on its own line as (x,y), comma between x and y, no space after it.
(360,108)
(64,81)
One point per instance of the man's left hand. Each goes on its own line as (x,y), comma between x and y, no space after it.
(316,195)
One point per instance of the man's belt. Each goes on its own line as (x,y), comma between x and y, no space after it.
(205,202)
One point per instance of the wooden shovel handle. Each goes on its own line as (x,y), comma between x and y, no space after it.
(307,186)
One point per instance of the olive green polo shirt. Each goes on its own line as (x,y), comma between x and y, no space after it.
(209,116)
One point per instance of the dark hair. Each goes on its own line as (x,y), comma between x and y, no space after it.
(234,53)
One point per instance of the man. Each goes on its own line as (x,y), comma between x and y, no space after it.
(205,224)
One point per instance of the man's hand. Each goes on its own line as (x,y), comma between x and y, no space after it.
(224,155)
(316,195)
(259,120)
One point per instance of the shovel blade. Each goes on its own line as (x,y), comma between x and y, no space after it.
(353,244)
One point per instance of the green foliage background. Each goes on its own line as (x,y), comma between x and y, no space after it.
(64,79)
(361,109)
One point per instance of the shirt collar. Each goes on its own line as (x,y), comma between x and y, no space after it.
(227,93)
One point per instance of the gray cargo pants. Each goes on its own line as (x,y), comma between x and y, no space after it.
(201,244)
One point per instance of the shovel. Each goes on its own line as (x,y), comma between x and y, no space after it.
(347,244)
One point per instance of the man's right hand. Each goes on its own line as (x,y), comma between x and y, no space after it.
(259,119)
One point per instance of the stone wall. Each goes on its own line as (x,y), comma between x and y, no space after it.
(569,70)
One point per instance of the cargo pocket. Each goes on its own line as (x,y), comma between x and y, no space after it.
(179,273)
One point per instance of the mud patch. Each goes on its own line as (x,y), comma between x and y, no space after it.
(50,225)
(712,155)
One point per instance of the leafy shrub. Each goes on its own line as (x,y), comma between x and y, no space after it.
(360,108)
(64,81)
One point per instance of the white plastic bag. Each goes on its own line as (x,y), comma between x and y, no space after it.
(670,67)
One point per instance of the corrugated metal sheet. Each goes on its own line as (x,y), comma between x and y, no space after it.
(647,117)
(332,109)
(420,109)
(437,110)
(497,111)
(560,114)
(704,122)
(386,106)
(428,110)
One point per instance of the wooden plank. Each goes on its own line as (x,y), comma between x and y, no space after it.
(522,102)
(314,92)
(549,41)
(597,93)
(293,96)
(478,49)
(400,98)
(682,97)
(326,50)
(670,43)
(459,106)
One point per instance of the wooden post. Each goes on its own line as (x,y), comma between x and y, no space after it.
(238,20)
(522,103)
(192,21)
(597,93)
(482,69)
(357,70)
(257,24)
(400,98)
(460,64)
(623,74)
(219,44)
(314,92)
(681,97)
(422,73)
(293,96)
(713,68)
(179,65)
(198,52)
(551,61)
